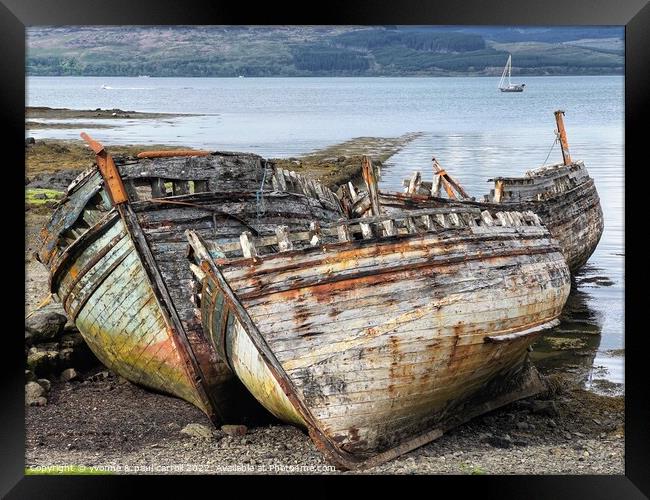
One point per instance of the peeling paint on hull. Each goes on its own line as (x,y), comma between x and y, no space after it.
(564,197)
(121,274)
(377,344)
(122,323)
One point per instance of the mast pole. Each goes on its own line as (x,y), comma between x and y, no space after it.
(566,156)
(509,70)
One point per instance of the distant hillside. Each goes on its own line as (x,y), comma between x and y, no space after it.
(321,51)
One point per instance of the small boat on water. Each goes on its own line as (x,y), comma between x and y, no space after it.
(379,334)
(116,253)
(564,196)
(507,73)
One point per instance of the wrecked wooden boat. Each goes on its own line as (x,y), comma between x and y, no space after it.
(379,334)
(116,253)
(564,196)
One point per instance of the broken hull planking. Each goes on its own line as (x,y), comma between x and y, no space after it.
(116,311)
(370,344)
(107,285)
(570,209)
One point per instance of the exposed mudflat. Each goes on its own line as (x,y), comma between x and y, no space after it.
(44,112)
(341,163)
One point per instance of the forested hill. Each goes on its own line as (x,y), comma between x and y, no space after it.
(322,51)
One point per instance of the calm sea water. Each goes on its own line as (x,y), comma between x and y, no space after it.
(475,132)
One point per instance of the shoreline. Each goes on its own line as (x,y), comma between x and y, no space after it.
(126,429)
(45,112)
(496,73)
(101,420)
(333,165)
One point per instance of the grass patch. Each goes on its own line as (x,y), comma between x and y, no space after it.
(51,155)
(474,470)
(41,196)
(66,470)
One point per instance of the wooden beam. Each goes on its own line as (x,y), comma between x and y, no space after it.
(498,191)
(343,233)
(315,234)
(370,179)
(284,243)
(389,227)
(415,182)
(247,245)
(566,156)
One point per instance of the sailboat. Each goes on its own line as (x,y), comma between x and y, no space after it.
(510,87)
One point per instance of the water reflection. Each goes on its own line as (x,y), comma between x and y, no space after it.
(588,343)
(574,346)
(470,128)
(571,347)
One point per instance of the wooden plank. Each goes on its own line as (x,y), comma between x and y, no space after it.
(389,227)
(247,245)
(370,179)
(158,189)
(132,193)
(280,179)
(343,233)
(487,218)
(457,186)
(295,183)
(353,192)
(414,183)
(455,220)
(201,186)
(366,230)
(282,233)
(498,191)
(427,222)
(410,225)
(435,188)
(181,188)
(448,188)
(315,234)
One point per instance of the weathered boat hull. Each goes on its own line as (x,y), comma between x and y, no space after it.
(115,309)
(120,275)
(564,197)
(379,345)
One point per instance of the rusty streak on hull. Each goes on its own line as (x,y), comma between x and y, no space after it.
(120,272)
(563,196)
(378,345)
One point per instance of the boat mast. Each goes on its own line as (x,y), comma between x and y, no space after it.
(509,64)
(566,156)
(505,70)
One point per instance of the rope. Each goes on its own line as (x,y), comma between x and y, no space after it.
(259,196)
(557,138)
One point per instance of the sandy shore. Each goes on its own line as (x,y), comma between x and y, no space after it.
(104,421)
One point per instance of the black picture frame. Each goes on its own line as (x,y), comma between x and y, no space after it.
(15,15)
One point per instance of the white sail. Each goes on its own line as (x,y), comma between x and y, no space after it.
(509,87)
(507,70)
